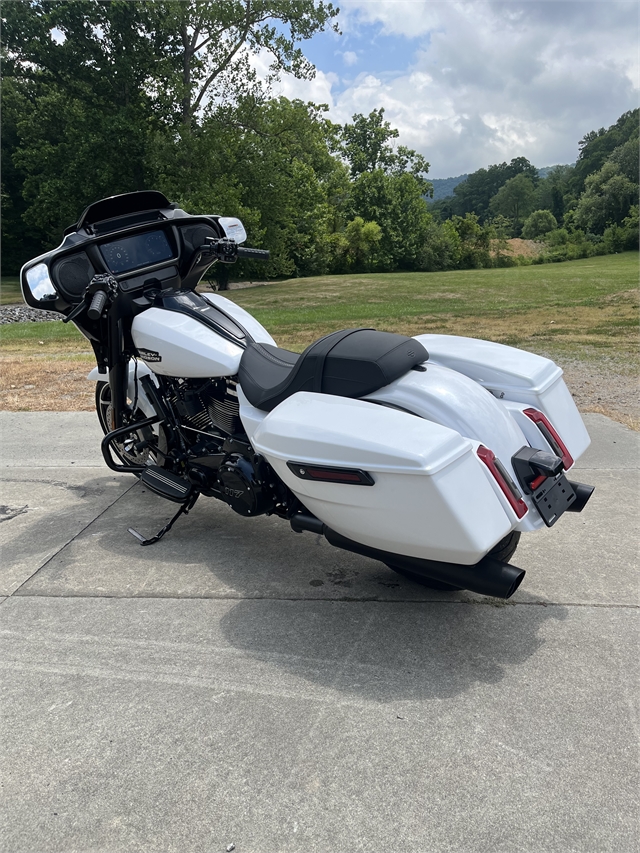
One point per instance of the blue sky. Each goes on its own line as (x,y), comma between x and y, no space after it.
(474,83)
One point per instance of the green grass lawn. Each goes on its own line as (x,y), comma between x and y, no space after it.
(584,309)
(581,308)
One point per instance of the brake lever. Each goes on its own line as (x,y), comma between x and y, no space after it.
(77,310)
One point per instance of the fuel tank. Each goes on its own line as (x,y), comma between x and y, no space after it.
(175,344)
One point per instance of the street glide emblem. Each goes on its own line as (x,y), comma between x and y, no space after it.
(149,355)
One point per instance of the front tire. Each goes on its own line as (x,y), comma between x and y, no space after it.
(104,410)
(503,550)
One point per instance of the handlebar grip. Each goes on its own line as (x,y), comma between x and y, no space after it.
(257,254)
(97,304)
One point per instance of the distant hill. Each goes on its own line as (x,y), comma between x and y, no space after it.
(443,187)
(542,173)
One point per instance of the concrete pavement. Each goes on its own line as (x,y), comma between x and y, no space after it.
(238,683)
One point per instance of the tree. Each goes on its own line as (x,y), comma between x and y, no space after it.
(396,203)
(607,199)
(539,223)
(207,46)
(99,87)
(514,199)
(597,145)
(365,144)
(361,240)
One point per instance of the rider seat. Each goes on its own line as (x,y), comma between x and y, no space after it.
(349,363)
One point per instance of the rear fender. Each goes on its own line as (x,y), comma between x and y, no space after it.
(451,399)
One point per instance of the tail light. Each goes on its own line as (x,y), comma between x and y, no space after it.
(555,442)
(502,478)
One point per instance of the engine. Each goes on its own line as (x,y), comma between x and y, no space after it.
(221,461)
(203,406)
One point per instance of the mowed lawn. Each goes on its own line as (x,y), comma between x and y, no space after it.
(586,309)
(578,311)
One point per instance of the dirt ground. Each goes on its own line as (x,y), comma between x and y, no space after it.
(517,246)
(58,383)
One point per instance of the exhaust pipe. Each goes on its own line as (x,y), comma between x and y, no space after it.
(583,493)
(487,577)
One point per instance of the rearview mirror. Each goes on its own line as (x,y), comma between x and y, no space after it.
(39,283)
(233,228)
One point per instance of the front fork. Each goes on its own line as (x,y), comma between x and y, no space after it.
(118,367)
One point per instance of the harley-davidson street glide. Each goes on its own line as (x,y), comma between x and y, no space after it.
(432,454)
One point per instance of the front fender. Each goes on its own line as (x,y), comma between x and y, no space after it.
(143,401)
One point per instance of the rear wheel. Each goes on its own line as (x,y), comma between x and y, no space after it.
(124,450)
(503,550)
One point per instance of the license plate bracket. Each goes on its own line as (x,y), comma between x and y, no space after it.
(553,497)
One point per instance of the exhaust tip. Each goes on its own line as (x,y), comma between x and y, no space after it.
(583,492)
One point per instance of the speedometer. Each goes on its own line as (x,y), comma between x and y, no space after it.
(156,244)
(117,257)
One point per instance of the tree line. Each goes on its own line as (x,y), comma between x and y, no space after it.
(108,96)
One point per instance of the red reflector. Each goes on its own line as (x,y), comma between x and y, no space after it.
(331,475)
(510,491)
(546,428)
(533,485)
(341,476)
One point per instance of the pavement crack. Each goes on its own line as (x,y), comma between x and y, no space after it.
(303,599)
(71,539)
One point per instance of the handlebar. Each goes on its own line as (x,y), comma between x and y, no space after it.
(228,251)
(97,305)
(258,254)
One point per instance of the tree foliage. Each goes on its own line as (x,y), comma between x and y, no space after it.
(101,97)
(539,223)
(475,193)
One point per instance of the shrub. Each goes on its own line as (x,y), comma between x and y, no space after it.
(540,222)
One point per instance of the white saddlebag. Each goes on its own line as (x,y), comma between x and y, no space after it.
(519,379)
(431,497)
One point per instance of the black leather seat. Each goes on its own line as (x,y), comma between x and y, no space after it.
(350,363)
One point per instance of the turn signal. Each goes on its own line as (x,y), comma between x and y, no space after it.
(502,478)
(546,428)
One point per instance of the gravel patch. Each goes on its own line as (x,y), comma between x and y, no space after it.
(24,314)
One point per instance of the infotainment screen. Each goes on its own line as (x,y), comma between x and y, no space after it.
(142,250)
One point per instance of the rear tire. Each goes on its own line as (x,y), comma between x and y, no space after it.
(503,550)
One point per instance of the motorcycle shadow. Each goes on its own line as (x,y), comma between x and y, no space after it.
(390,651)
(333,620)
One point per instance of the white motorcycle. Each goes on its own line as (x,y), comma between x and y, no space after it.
(432,454)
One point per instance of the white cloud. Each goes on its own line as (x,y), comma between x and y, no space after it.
(488,81)
(350,57)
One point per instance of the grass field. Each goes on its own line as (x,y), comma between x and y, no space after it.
(585,308)
(10,290)
(576,312)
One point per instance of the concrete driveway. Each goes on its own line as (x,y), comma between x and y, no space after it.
(241,684)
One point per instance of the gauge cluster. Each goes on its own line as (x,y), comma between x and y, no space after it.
(141,250)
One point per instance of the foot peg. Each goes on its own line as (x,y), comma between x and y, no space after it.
(173,488)
(166,484)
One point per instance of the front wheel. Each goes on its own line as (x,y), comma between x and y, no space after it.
(503,550)
(124,450)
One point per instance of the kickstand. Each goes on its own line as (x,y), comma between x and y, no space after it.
(184,510)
